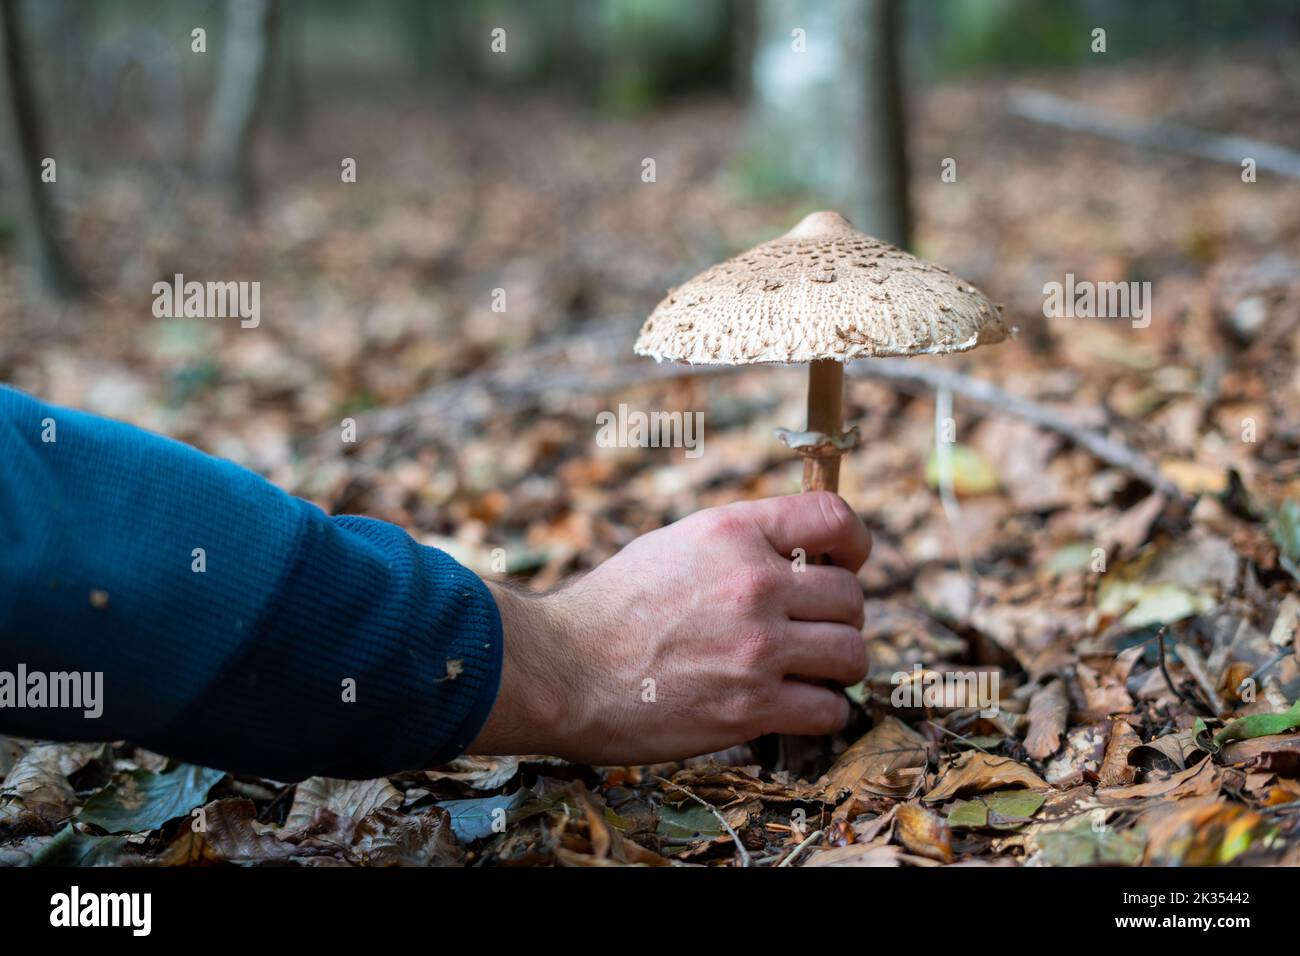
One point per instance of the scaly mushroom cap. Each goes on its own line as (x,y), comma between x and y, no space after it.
(821,291)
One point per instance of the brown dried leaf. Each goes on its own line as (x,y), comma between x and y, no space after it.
(923,832)
(977,772)
(344,798)
(1115,768)
(230,833)
(1080,761)
(724,785)
(1204,833)
(855,855)
(1197,781)
(36,795)
(1049,709)
(1102,683)
(1167,754)
(884,761)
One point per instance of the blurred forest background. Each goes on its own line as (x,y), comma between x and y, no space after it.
(524,170)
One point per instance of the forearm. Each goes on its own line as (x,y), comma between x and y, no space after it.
(234,625)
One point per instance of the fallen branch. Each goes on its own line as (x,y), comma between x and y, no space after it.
(593,361)
(1054,111)
(994,399)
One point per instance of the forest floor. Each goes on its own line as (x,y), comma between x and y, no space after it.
(1130,630)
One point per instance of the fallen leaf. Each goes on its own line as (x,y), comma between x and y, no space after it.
(1116,771)
(73,847)
(388,838)
(1210,833)
(480,817)
(885,761)
(1048,710)
(477,773)
(1259,725)
(923,832)
(1286,626)
(977,772)
(1195,781)
(1103,683)
(354,799)
(971,473)
(141,800)
(1276,752)
(1086,840)
(854,855)
(1080,761)
(1131,529)
(999,810)
(1167,754)
(227,832)
(723,785)
(1169,583)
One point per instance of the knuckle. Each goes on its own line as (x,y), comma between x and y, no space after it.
(851,594)
(754,651)
(749,708)
(832,713)
(837,514)
(855,653)
(728,521)
(747,585)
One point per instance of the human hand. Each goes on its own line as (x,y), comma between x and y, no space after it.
(695,637)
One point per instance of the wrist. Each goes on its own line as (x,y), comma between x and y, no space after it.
(530,708)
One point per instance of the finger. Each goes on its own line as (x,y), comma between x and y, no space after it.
(824,593)
(808,709)
(819,522)
(833,652)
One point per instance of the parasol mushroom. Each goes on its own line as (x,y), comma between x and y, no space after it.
(821,294)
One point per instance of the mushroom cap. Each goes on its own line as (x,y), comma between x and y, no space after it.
(821,291)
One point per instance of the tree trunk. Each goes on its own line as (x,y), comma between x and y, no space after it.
(241,90)
(24,151)
(873,41)
(827,108)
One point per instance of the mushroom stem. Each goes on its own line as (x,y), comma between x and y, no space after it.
(825,415)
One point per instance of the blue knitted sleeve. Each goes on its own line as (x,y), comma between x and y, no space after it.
(230,624)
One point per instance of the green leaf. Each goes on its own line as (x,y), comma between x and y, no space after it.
(1260,725)
(1001,810)
(1202,738)
(1072,557)
(141,800)
(688,821)
(1286,529)
(1082,844)
(71,847)
(971,473)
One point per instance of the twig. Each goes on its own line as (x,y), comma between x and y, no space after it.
(953,733)
(740,847)
(1269,665)
(1277,807)
(1178,691)
(789,860)
(1195,665)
